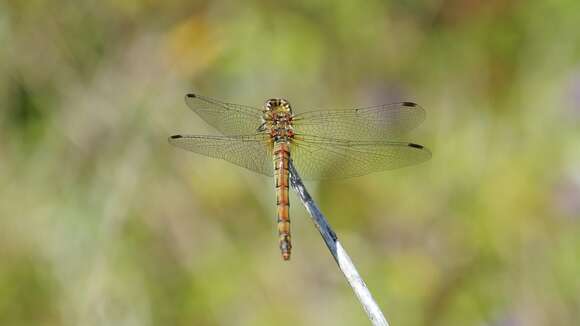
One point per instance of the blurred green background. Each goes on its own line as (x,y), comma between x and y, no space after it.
(103,223)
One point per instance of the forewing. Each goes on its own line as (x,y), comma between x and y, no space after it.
(321,158)
(382,122)
(251,152)
(228,118)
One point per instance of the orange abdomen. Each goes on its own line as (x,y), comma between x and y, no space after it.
(281,159)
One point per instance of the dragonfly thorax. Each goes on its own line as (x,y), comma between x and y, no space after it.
(277,119)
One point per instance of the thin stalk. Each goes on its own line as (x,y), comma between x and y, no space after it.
(342,259)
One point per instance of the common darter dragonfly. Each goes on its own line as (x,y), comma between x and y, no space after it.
(321,144)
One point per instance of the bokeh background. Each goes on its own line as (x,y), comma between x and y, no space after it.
(103,223)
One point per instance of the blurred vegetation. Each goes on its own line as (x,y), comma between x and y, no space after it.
(103,223)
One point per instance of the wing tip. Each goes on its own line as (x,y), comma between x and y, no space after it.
(421,148)
(175,137)
(410,104)
(190,95)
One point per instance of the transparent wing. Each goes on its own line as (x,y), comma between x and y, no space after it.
(252,152)
(228,118)
(323,158)
(373,123)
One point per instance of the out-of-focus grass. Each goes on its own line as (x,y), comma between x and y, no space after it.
(102,223)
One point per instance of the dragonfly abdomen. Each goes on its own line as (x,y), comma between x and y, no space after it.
(281,157)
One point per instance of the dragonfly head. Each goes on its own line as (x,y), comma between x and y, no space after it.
(277,105)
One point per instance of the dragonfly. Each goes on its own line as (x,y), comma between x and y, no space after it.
(321,144)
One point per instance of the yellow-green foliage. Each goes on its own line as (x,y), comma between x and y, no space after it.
(103,223)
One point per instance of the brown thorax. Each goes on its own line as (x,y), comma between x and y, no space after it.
(277,119)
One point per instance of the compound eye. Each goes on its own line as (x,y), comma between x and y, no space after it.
(270,104)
